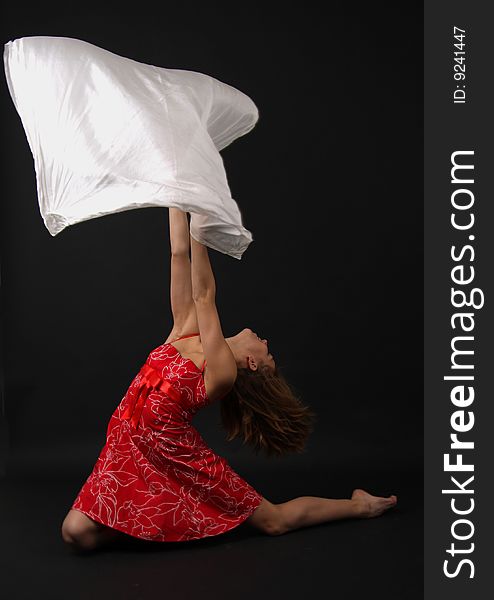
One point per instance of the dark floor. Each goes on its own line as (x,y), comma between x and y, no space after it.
(351,559)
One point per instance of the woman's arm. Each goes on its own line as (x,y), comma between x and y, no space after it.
(203,282)
(222,367)
(182,304)
(179,232)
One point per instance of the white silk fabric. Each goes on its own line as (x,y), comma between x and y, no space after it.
(108,134)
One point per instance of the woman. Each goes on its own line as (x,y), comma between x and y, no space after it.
(155,478)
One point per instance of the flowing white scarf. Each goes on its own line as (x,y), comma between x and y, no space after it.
(109,134)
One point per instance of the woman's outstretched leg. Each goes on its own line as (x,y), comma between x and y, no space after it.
(276,519)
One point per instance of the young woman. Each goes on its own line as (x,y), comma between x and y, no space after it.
(155,478)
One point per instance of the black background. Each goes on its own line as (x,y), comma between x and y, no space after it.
(330,184)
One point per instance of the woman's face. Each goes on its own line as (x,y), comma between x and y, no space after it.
(257,348)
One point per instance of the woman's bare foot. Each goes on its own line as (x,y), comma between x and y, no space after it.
(372,506)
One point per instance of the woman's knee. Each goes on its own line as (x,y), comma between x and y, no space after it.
(78,531)
(268,518)
(275,527)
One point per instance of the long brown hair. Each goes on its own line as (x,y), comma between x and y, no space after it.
(263,410)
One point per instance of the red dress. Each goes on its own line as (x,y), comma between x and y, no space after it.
(155,477)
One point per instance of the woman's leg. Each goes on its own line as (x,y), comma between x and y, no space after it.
(83,533)
(276,519)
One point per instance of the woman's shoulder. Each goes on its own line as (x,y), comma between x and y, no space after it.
(215,388)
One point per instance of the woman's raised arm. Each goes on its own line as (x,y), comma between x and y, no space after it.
(179,232)
(203,282)
(182,304)
(221,363)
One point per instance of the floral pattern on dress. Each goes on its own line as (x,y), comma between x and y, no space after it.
(160,481)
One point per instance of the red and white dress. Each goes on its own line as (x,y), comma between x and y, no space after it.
(155,477)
